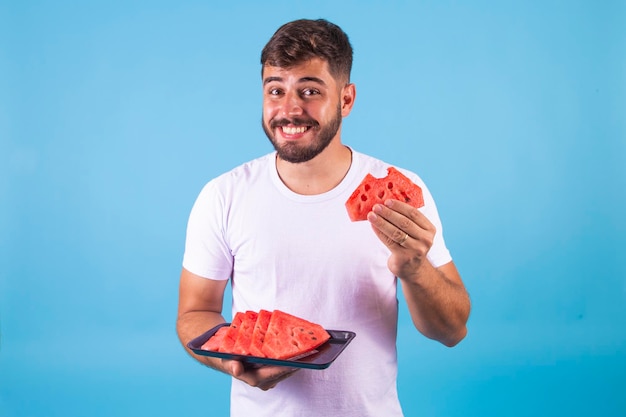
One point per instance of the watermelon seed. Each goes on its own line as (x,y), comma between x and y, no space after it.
(363,197)
(390,185)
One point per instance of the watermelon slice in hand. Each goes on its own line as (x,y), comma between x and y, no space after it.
(374,190)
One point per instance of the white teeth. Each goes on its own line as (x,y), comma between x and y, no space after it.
(294,130)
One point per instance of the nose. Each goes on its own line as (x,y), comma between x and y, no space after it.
(292,105)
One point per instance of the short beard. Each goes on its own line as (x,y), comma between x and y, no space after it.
(294,152)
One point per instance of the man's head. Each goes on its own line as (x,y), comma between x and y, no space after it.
(306,88)
(301,40)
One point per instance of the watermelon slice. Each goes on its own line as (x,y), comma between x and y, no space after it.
(244,335)
(229,339)
(289,336)
(373,190)
(258,335)
(216,340)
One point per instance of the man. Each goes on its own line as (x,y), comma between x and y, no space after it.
(278,228)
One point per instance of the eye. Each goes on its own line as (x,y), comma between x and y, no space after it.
(308,92)
(274,91)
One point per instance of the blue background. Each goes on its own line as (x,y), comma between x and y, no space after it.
(114,114)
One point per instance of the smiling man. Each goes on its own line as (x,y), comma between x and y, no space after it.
(292,101)
(277,228)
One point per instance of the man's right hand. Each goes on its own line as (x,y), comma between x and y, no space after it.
(264,377)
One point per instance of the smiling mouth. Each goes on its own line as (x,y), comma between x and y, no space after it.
(294,130)
(296,126)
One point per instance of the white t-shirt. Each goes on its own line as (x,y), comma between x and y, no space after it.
(302,254)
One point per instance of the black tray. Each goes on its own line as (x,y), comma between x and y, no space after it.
(322,359)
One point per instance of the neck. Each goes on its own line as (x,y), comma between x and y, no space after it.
(319,175)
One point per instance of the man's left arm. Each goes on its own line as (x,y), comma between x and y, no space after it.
(436,297)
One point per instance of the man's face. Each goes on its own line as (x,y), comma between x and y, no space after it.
(302,109)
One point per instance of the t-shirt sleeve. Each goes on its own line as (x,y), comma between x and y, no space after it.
(206,251)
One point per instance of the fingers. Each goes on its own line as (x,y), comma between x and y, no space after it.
(403,215)
(273,378)
(398,224)
(403,239)
(389,234)
(264,377)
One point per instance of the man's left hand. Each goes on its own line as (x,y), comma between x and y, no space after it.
(406,232)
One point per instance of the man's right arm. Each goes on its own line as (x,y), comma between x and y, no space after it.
(200,302)
(200,309)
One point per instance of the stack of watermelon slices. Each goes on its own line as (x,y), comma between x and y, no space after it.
(268,334)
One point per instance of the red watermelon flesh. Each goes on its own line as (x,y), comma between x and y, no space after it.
(275,335)
(228,342)
(244,335)
(258,334)
(373,190)
(289,336)
(216,340)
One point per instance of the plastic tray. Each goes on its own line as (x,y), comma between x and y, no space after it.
(321,359)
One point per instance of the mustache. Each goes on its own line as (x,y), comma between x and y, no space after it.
(294,122)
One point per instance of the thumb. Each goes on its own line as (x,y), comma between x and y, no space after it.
(232,367)
(235,368)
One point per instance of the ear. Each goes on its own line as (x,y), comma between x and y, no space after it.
(348,95)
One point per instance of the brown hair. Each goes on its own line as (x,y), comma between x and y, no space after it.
(298,41)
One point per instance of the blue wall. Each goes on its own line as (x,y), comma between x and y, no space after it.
(114,114)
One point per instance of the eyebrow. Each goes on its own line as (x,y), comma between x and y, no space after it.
(301,80)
